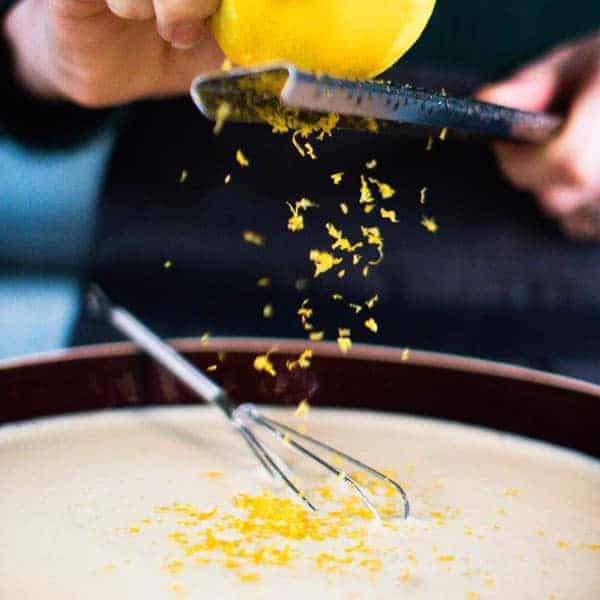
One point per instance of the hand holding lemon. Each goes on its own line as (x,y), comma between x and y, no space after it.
(106,52)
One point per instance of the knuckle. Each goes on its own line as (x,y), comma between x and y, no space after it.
(88,92)
(131,9)
(557,201)
(571,170)
(68,8)
(174,11)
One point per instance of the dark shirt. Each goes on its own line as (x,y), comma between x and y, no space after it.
(498,280)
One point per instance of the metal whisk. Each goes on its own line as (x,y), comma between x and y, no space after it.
(243,417)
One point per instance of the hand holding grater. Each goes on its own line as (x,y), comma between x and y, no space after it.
(375,106)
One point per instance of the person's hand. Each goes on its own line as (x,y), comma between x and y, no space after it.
(105,52)
(564,174)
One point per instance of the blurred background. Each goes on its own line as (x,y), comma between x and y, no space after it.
(47,209)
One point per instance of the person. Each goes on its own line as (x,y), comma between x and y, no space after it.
(507,276)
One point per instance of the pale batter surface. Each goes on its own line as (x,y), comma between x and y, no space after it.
(140,504)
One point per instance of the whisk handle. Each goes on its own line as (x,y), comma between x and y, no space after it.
(133,329)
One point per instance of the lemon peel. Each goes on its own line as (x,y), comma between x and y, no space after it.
(320,35)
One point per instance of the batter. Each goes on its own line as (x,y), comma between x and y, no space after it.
(169,504)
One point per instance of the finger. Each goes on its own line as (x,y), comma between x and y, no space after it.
(531,88)
(584,223)
(131,9)
(206,55)
(76,9)
(570,177)
(182,23)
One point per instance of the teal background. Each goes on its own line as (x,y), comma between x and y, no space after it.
(47,209)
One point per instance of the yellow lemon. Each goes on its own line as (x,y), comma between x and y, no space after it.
(346,38)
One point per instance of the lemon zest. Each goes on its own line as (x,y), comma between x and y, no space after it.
(324,261)
(390,215)
(371,324)
(241,158)
(373,236)
(303,409)
(222,113)
(263,363)
(341,242)
(310,151)
(371,302)
(303,361)
(385,189)
(366,195)
(254,238)
(430,224)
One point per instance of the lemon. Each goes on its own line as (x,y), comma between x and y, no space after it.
(346,38)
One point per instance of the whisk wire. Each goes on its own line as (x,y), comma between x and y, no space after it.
(273,424)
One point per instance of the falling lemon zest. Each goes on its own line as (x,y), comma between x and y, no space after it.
(374,238)
(371,324)
(371,302)
(254,238)
(222,113)
(241,158)
(303,361)
(390,215)
(366,195)
(310,151)
(430,224)
(303,409)
(324,261)
(385,189)
(341,242)
(263,363)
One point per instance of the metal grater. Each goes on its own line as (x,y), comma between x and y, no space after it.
(362,105)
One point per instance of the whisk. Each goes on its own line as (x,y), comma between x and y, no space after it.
(243,417)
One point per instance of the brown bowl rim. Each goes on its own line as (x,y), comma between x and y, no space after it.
(370,352)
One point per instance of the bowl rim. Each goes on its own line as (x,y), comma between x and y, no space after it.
(385,354)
